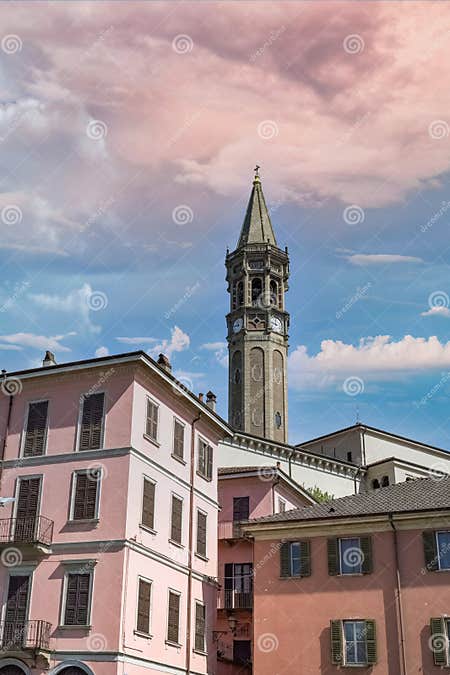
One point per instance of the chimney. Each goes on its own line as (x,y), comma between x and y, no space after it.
(211,400)
(49,359)
(200,397)
(164,363)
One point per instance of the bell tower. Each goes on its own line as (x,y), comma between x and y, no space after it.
(257,276)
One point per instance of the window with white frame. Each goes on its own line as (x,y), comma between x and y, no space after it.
(85,494)
(350,557)
(77,597)
(355,642)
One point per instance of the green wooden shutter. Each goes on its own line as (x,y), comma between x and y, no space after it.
(305,558)
(371,641)
(333,557)
(430,550)
(285,563)
(439,641)
(366,550)
(337,652)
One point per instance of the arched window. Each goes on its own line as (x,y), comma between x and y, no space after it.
(256,289)
(273,293)
(278,420)
(237,376)
(72,670)
(240,294)
(375,484)
(11,669)
(385,481)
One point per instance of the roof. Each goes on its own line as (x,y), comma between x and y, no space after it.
(257,226)
(113,359)
(266,473)
(421,494)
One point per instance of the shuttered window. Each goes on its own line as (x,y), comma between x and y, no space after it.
(143,609)
(200,627)
(205,459)
(201,533)
(91,431)
(350,555)
(178,439)
(241,508)
(353,642)
(176,524)
(148,504)
(439,642)
(36,429)
(151,427)
(78,589)
(86,485)
(295,559)
(173,618)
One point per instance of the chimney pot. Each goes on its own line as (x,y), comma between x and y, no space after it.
(49,359)
(211,399)
(164,363)
(200,396)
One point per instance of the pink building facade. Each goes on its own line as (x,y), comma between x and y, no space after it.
(244,492)
(362,582)
(109,551)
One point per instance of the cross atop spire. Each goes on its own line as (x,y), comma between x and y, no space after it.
(257,227)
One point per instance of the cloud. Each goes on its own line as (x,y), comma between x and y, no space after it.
(41,342)
(101,351)
(220,352)
(179,341)
(376,358)
(78,303)
(363,259)
(437,311)
(213,346)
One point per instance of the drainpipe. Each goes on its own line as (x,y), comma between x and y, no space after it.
(399,598)
(190,546)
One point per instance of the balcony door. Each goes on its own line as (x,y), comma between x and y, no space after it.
(16,614)
(27,509)
(238,585)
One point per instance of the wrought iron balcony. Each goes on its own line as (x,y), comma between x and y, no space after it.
(33,531)
(229,599)
(24,636)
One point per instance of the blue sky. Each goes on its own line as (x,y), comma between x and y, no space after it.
(122,187)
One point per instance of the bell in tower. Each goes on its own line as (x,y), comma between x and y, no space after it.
(257,276)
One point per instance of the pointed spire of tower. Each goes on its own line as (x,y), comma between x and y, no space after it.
(257,227)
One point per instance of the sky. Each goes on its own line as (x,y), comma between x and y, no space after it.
(128,137)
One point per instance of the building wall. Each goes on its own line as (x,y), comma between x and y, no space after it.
(339,446)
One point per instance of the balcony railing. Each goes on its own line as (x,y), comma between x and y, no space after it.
(229,599)
(229,530)
(31,530)
(24,635)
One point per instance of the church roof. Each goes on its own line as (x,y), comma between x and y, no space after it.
(257,226)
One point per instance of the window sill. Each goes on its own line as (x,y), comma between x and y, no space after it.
(179,459)
(88,449)
(76,521)
(200,652)
(139,633)
(208,480)
(147,528)
(201,556)
(178,544)
(173,644)
(151,440)
(74,626)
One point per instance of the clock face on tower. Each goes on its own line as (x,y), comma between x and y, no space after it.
(275,324)
(237,325)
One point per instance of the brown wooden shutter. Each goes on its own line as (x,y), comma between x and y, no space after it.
(371,641)
(305,558)
(241,508)
(177,515)
(143,611)
(285,559)
(430,550)
(92,422)
(173,621)
(333,557)
(152,420)
(201,457)
(201,533)
(148,504)
(337,652)
(209,462)
(438,641)
(85,497)
(36,429)
(77,600)
(366,550)
(178,439)
(200,626)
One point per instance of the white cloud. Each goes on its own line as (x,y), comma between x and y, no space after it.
(213,346)
(102,351)
(376,358)
(79,303)
(42,342)
(179,341)
(362,259)
(437,311)
(220,352)
(10,348)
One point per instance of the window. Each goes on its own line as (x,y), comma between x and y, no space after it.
(143,606)
(151,426)
(241,508)
(278,420)
(204,459)
(350,555)
(36,429)
(375,484)
(176,524)
(385,481)
(295,559)
(439,643)
(200,627)
(349,456)
(78,598)
(437,550)
(240,294)
(281,506)
(148,504)
(242,652)
(238,586)
(178,439)
(353,642)
(85,494)
(173,618)
(91,431)
(273,293)
(256,290)
(201,534)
